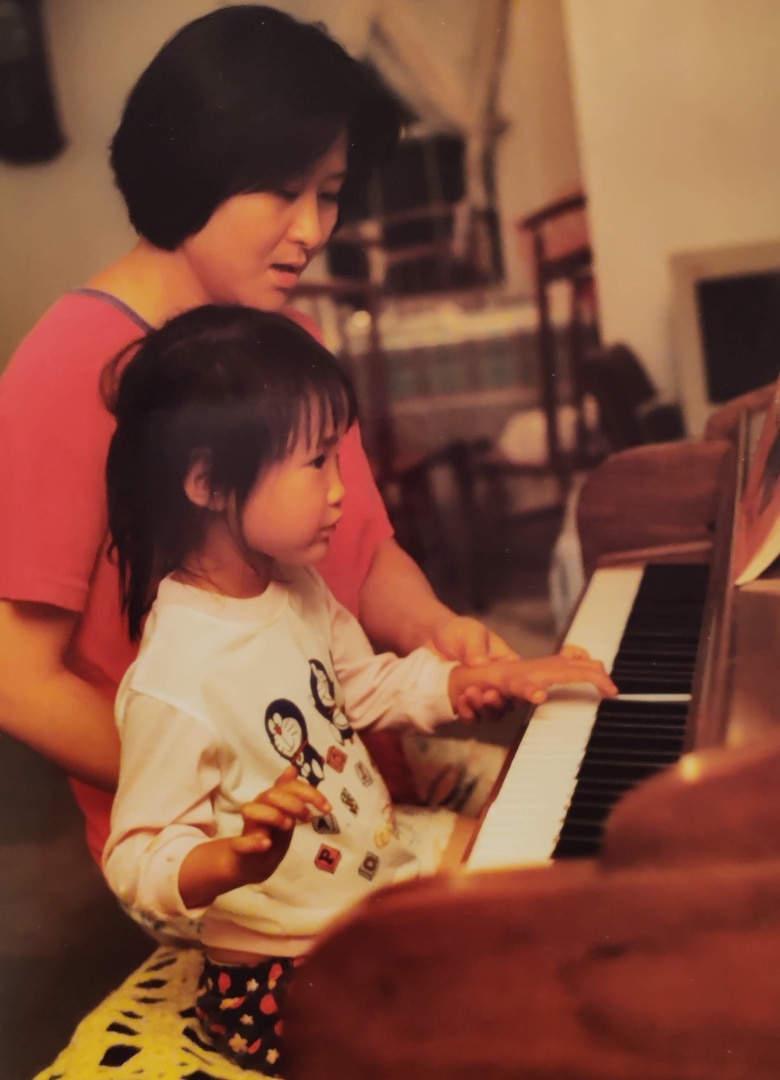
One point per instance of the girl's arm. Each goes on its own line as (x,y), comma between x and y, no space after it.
(529,680)
(384,691)
(44,704)
(221,865)
(162,857)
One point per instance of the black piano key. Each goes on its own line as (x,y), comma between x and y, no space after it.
(631,771)
(648,684)
(657,653)
(577,847)
(638,742)
(630,742)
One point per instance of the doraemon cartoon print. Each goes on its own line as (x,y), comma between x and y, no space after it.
(323,692)
(287,731)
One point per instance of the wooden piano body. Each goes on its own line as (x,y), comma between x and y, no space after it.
(656,959)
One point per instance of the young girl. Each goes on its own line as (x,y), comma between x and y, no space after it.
(247,802)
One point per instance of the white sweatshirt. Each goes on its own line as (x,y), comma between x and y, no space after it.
(224,694)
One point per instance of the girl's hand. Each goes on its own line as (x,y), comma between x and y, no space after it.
(469,641)
(530,680)
(228,862)
(270,818)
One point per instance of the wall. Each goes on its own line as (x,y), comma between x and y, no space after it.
(62,221)
(677,104)
(538,158)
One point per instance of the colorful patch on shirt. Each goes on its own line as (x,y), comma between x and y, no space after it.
(327,858)
(325,824)
(364,776)
(383,835)
(369,866)
(336,758)
(349,801)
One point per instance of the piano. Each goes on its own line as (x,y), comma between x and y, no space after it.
(578,755)
(692,659)
(618,914)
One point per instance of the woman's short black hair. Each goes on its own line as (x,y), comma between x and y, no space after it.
(243,99)
(232,385)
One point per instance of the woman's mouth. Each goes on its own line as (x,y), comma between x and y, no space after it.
(286,274)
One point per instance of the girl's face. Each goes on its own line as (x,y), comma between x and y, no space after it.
(295,505)
(254,247)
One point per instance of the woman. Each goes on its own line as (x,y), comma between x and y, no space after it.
(235,152)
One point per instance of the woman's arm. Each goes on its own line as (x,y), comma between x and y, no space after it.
(398,608)
(400,611)
(44,704)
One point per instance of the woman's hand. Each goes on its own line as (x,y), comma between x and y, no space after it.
(529,680)
(472,643)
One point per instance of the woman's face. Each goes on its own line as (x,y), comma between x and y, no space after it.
(254,247)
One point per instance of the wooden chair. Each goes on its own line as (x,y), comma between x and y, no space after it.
(560,354)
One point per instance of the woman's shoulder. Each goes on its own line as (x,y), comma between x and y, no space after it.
(305,321)
(82,330)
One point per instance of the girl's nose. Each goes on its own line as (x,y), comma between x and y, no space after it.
(335,486)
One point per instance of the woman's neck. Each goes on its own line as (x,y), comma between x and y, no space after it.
(156,284)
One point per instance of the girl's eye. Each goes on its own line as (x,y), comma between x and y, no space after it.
(330,196)
(288,194)
(319,461)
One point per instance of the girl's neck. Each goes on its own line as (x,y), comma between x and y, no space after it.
(156,284)
(224,581)
(219,566)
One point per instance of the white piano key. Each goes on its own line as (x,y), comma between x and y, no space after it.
(522,824)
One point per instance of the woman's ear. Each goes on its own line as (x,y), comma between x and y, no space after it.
(197,483)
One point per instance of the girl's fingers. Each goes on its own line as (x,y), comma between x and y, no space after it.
(575,652)
(530,679)
(260,815)
(252,843)
(284,804)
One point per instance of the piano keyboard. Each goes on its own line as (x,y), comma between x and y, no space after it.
(578,754)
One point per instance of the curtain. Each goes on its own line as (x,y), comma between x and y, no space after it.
(446,69)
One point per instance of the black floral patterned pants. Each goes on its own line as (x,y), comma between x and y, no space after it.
(239,1009)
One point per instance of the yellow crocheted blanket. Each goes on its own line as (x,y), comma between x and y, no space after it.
(146,1028)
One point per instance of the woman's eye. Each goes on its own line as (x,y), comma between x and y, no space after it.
(288,194)
(330,196)
(319,461)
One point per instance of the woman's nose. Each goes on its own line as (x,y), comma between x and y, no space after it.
(308,227)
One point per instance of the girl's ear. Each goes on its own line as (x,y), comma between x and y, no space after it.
(197,483)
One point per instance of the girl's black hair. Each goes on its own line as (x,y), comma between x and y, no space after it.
(235,385)
(243,99)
